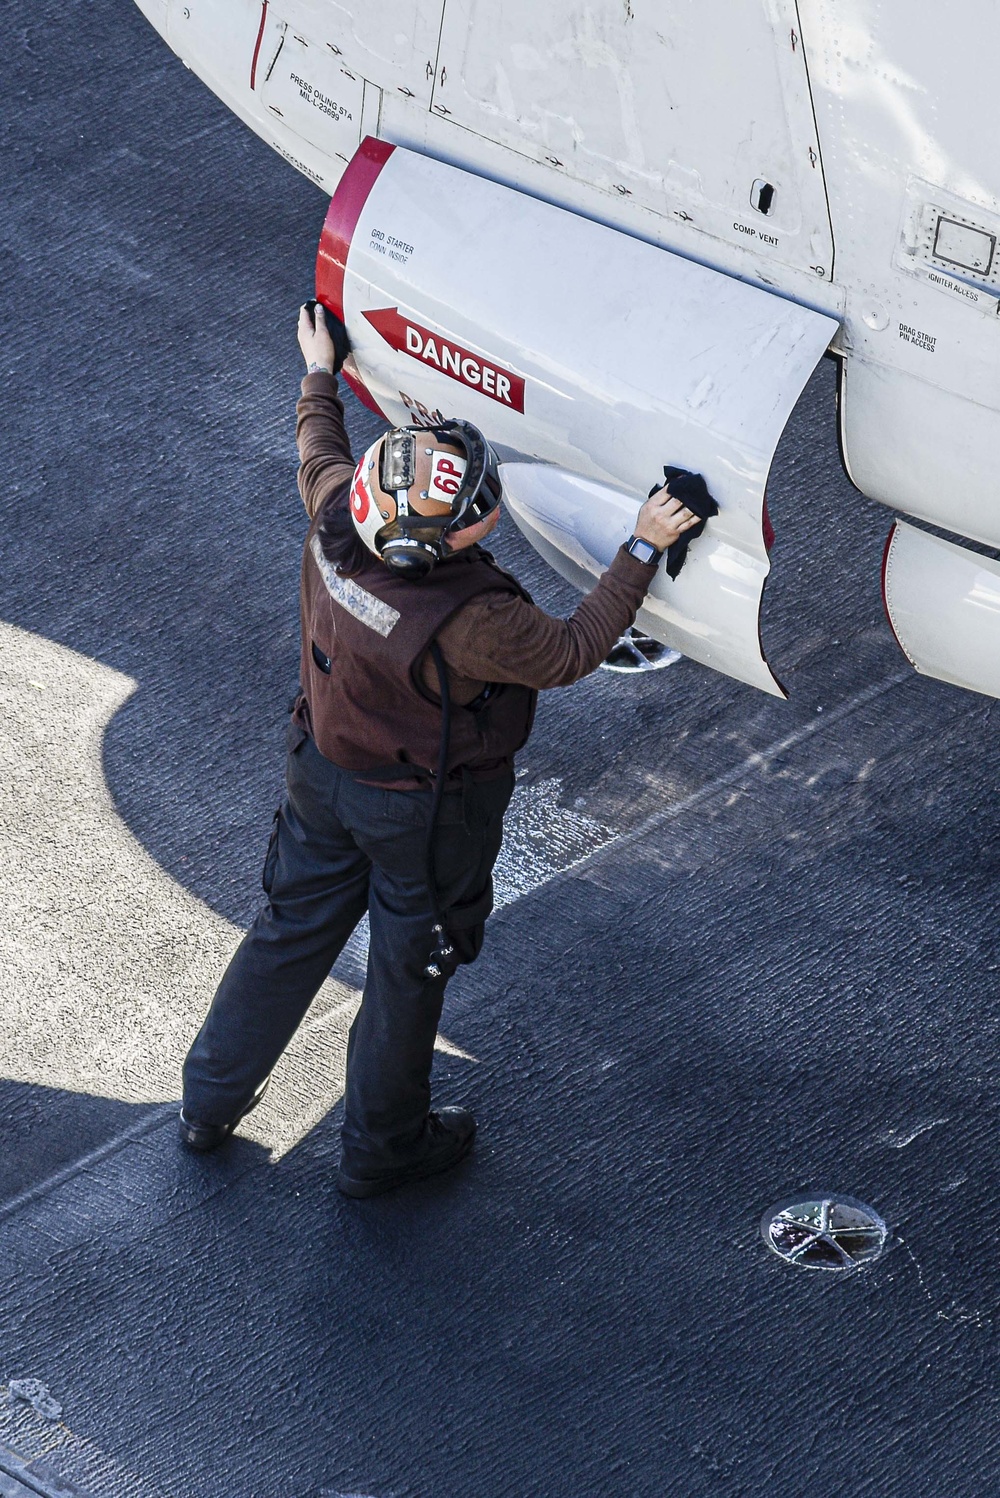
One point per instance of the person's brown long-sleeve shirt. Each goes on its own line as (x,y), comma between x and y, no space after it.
(496,637)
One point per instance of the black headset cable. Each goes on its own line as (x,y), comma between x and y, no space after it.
(442,947)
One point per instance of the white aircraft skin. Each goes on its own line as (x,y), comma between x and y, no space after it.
(612,202)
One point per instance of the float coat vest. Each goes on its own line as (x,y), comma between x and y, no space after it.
(364,639)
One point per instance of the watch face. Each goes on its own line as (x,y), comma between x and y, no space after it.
(644,551)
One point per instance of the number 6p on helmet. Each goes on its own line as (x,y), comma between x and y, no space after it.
(417,485)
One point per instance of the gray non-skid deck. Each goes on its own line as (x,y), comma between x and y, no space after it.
(748,947)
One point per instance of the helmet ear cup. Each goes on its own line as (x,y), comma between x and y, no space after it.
(411,559)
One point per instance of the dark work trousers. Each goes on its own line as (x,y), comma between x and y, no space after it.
(339,848)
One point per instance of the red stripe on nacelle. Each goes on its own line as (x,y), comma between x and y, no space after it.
(342,216)
(256,50)
(361,390)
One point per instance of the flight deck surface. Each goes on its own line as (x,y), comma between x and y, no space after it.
(746,949)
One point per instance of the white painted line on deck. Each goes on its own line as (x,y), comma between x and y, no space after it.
(148,1124)
(759,760)
(50,1459)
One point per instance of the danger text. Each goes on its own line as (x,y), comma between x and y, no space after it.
(449,358)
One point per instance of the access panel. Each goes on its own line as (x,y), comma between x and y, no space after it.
(307,87)
(693,109)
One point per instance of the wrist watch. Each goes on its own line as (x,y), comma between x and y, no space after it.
(643,551)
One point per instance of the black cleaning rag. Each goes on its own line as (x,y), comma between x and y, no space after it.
(692,491)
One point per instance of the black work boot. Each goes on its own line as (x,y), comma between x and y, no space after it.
(446,1139)
(204,1136)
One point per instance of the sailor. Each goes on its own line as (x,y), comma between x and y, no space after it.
(421,661)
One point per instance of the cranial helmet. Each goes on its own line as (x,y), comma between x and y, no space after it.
(415,485)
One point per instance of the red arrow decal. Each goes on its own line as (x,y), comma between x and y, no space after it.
(448,358)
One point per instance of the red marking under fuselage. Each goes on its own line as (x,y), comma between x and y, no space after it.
(256,50)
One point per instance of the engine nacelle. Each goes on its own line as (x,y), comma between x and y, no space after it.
(590,360)
(943,605)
